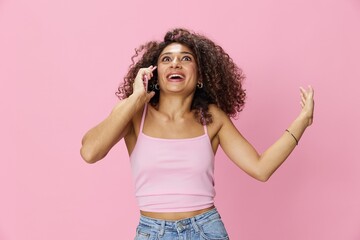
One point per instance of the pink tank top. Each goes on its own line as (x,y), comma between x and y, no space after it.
(173,175)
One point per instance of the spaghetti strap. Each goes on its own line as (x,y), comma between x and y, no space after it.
(143,118)
(205,129)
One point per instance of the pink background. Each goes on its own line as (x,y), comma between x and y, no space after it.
(61,62)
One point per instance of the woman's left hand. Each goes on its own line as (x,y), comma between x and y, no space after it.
(307,104)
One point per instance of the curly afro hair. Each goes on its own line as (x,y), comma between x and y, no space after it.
(222,79)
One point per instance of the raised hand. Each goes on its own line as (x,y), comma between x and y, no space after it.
(307,103)
(141,82)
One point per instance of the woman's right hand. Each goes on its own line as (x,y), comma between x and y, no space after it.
(141,83)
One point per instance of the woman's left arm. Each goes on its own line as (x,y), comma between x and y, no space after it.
(261,167)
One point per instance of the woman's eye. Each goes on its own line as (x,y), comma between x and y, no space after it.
(166,59)
(187,58)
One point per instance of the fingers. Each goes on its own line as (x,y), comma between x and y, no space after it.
(147,75)
(306,95)
(307,92)
(149,96)
(307,103)
(148,72)
(303,97)
(146,80)
(143,75)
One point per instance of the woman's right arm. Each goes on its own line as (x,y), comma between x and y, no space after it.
(98,141)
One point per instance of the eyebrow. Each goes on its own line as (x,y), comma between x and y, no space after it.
(169,53)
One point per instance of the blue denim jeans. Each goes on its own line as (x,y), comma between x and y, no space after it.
(205,226)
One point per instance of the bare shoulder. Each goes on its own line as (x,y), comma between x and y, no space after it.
(219,118)
(218,115)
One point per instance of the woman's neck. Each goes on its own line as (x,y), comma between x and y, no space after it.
(173,106)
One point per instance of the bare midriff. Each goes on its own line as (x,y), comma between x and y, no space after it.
(173,216)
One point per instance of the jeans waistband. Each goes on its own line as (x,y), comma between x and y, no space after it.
(179,225)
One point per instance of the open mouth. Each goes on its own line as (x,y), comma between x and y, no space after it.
(175,77)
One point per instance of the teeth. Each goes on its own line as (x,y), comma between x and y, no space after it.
(175,75)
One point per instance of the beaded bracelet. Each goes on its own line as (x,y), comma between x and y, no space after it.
(297,141)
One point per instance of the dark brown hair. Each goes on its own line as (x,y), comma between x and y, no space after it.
(221,78)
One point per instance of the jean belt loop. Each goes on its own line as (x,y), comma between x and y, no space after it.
(162,228)
(194,224)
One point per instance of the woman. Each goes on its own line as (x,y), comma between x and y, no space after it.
(174,113)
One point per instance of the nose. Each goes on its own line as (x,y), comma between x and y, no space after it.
(176,63)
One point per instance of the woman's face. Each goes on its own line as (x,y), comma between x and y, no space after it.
(177,69)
